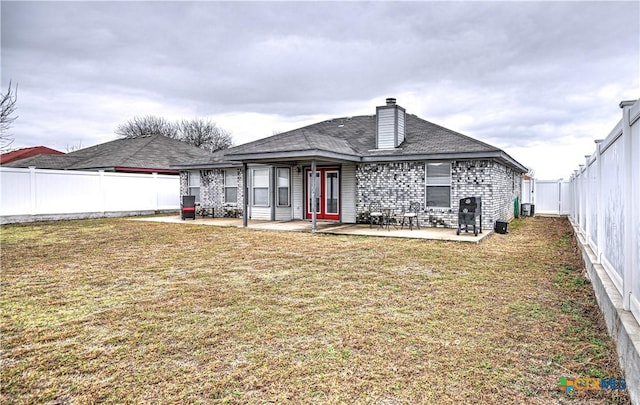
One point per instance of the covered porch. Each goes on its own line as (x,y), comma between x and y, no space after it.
(304,189)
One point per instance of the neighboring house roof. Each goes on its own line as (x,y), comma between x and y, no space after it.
(27,152)
(354,139)
(143,154)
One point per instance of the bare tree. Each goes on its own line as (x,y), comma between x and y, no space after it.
(8,106)
(145,126)
(73,148)
(204,134)
(199,132)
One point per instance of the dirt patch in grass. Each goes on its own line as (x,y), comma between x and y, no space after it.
(125,311)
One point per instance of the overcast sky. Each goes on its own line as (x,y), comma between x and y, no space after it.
(541,80)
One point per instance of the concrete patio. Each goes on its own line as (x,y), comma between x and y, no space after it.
(447,234)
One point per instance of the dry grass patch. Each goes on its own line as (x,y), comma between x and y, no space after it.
(123,311)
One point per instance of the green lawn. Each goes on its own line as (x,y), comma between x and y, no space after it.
(129,312)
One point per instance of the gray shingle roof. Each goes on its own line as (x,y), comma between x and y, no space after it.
(354,138)
(43,162)
(150,152)
(357,136)
(214,159)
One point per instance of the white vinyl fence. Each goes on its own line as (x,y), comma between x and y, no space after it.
(28,194)
(549,197)
(552,197)
(606,204)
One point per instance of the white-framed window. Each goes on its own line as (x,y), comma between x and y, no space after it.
(283,175)
(231,186)
(194,184)
(261,187)
(438,184)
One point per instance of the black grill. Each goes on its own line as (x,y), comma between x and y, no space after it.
(469,212)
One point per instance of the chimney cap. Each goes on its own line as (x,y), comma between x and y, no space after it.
(391,101)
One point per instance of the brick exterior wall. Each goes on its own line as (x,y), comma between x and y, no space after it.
(498,185)
(507,186)
(184,183)
(212,189)
(395,185)
(398,184)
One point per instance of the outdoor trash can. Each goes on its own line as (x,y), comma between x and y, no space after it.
(501,227)
(527,209)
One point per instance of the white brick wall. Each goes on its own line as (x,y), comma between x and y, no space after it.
(212,189)
(397,184)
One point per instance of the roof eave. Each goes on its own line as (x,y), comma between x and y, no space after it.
(267,157)
(144,170)
(294,155)
(220,165)
(92,168)
(498,155)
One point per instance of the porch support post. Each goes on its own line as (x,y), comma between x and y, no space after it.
(313,195)
(245,197)
(274,191)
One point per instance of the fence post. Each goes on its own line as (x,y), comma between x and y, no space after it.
(587,201)
(634,185)
(576,197)
(32,190)
(599,204)
(581,200)
(559,196)
(156,186)
(103,192)
(627,186)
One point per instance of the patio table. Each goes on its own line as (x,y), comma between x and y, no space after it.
(387,216)
(206,212)
(233,212)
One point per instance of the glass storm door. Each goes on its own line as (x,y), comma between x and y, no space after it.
(327,194)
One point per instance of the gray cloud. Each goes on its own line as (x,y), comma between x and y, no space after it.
(504,72)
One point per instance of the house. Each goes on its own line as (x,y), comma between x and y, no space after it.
(26,153)
(391,158)
(148,154)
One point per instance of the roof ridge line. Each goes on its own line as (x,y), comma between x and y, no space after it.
(145,144)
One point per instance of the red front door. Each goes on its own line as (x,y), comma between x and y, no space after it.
(327,194)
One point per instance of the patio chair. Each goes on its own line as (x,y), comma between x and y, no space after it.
(411,216)
(375,214)
(188,207)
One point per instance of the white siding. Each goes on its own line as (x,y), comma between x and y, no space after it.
(283,213)
(386,128)
(348,194)
(297,193)
(263,213)
(400,126)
